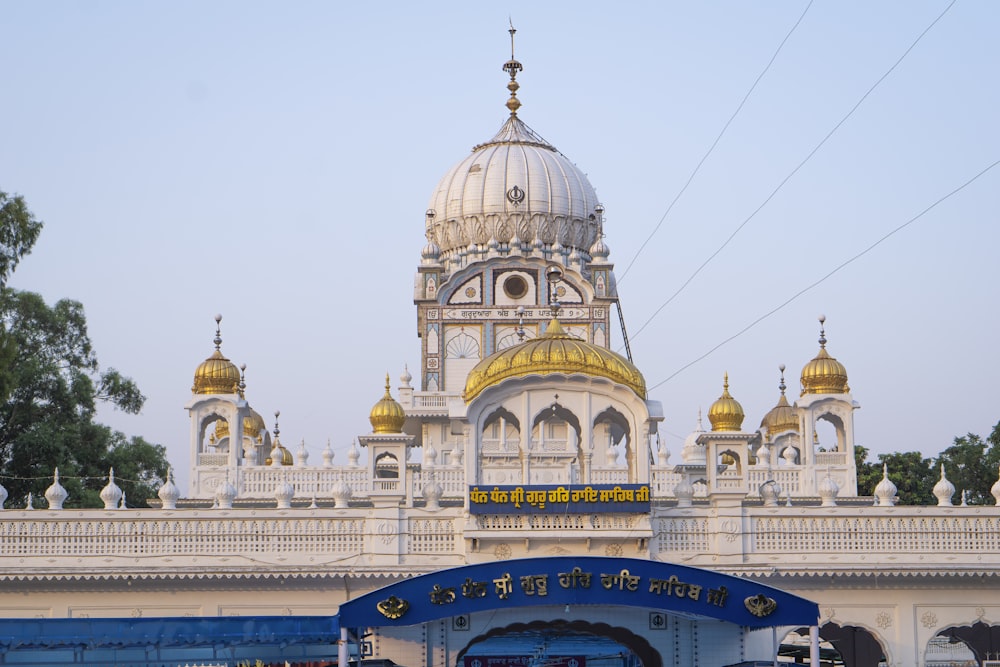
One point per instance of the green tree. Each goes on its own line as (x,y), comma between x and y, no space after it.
(971,464)
(913,476)
(909,471)
(52,383)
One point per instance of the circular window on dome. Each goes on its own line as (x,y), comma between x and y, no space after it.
(515,287)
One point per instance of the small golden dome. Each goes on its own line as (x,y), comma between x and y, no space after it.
(216,375)
(286,456)
(555,351)
(824,374)
(253,424)
(387,416)
(782,416)
(726,414)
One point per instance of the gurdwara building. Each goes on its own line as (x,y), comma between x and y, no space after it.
(512,503)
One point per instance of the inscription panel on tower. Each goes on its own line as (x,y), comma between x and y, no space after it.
(538,313)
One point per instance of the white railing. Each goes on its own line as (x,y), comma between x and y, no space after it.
(452,481)
(494,446)
(609,476)
(213,459)
(869,531)
(831,458)
(431,536)
(430,401)
(790,481)
(216,536)
(260,481)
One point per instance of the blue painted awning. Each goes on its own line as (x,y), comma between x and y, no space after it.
(145,642)
(573,580)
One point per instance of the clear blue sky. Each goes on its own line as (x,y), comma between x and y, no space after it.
(273,162)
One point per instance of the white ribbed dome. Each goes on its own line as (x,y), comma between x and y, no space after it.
(514,184)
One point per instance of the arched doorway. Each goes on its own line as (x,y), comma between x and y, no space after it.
(562,644)
(981,640)
(848,645)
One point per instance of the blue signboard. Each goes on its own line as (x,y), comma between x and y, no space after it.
(572,580)
(559,499)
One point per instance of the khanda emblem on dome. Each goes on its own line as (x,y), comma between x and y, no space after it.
(515,195)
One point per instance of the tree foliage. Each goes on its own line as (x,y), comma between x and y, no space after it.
(971,464)
(50,387)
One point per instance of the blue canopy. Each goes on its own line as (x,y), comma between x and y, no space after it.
(574,580)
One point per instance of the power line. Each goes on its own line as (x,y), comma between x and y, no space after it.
(828,275)
(714,143)
(793,172)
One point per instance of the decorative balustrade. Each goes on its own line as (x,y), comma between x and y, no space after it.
(260,481)
(609,476)
(141,533)
(494,446)
(213,459)
(452,481)
(790,480)
(831,458)
(430,401)
(431,536)
(870,531)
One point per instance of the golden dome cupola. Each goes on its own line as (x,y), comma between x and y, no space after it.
(554,352)
(726,414)
(387,416)
(782,417)
(217,374)
(824,374)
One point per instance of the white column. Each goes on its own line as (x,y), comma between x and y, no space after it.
(343,654)
(814,646)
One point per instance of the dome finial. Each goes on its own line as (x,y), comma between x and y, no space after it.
(243,381)
(822,331)
(781,385)
(218,332)
(512,67)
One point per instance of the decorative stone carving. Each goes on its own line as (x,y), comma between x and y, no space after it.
(944,490)
(56,494)
(111,494)
(225,494)
(828,490)
(885,491)
(169,493)
(283,494)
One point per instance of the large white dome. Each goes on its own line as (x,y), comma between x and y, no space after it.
(514,183)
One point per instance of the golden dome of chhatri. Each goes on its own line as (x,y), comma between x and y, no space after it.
(216,375)
(824,374)
(387,416)
(253,424)
(782,416)
(726,414)
(555,351)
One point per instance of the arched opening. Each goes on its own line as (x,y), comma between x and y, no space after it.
(848,645)
(555,429)
(386,466)
(212,449)
(979,639)
(611,431)
(501,433)
(602,645)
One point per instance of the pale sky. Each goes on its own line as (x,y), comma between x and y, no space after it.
(272,162)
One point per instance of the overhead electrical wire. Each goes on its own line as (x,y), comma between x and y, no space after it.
(795,170)
(715,143)
(828,275)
